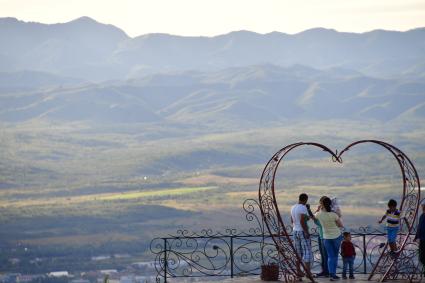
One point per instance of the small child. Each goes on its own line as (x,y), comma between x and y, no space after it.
(348,254)
(393,223)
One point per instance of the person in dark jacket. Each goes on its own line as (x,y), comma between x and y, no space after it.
(420,235)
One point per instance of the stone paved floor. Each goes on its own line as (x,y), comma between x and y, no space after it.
(254,279)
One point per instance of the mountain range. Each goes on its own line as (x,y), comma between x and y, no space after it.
(89,50)
(88,71)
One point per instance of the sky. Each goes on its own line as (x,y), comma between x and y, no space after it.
(213,17)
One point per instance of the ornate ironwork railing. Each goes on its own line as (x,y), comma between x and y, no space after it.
(237,254)
(207,253)
(232,253)
(211,255)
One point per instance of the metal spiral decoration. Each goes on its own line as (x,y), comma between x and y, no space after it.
(207,253)
(233,253)
(385,267)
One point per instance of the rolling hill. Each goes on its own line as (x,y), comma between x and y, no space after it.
(254,95)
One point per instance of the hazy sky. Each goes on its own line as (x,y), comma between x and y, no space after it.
(212,17)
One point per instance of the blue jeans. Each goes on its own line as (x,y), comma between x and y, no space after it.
(392,234)
(332,248)
(349,260)
(323,256)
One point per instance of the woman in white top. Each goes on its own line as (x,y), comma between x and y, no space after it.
(331,224)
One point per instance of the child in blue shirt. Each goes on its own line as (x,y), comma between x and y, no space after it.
(393,224)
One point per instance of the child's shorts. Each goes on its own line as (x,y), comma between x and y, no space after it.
(392,234)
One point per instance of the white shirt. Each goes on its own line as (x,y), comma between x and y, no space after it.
(296,212)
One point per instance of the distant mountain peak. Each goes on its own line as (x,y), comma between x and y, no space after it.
(243,31)
(159,35)
(319,30)
(276,33)
(84,19)
(420,29)
(8,20)
(240,33)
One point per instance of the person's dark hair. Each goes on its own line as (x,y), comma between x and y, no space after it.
(392,203)
(321,199)
(327,204)
(345,234)
(303,197)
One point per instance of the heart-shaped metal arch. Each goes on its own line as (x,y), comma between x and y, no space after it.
(385,267)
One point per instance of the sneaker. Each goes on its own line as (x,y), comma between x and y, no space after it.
(344,277)
(334,278)
(321,274)
(393,254)
(352,277)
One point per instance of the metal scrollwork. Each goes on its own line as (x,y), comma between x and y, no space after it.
(207,253)
(385,266)
(241,254)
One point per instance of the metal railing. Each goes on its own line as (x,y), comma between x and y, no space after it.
(232,254)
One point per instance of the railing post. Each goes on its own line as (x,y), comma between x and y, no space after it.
(231,256)
(165,260)
(364,254)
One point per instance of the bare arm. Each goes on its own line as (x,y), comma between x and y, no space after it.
(339,223)
(303,221)
(310,214)
(338,212)
(382,219)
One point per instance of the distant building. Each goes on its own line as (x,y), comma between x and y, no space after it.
(28,278)
(58,274)
(108,271)
(9,277)
(144,264)
(144,279)
(122,256)
(127,279)
(14,260)
(100,257)
(36,260)
(110,280)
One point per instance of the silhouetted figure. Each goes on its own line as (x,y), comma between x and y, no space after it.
(420,235)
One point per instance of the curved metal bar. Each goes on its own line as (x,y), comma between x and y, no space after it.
(271,214)
(386,266)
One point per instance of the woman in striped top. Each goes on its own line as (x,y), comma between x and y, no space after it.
(393,223)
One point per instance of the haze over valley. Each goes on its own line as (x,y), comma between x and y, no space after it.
(108,141)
